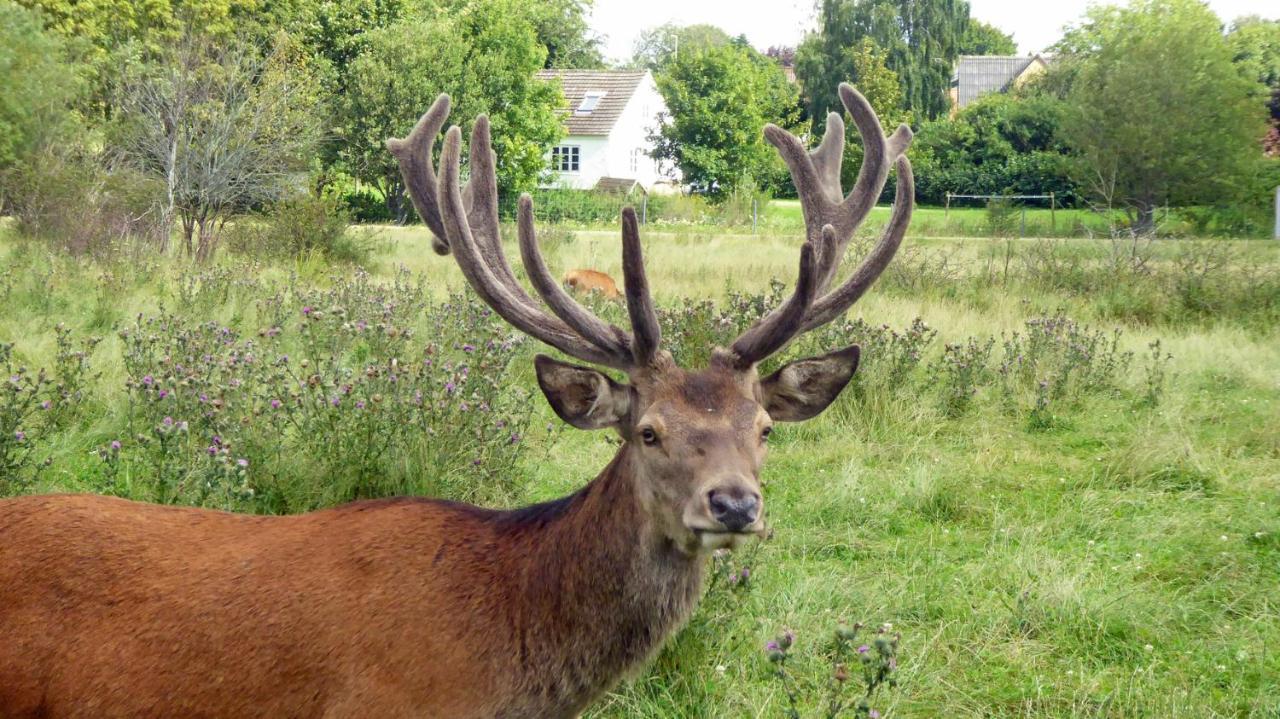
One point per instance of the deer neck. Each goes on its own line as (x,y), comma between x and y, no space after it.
(604,588)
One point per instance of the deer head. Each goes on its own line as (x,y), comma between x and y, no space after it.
(696,438)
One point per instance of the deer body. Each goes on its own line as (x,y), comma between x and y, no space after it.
(424,608)
(592,281)
(388,608)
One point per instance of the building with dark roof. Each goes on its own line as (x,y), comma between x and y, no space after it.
(610,115)
(978,75)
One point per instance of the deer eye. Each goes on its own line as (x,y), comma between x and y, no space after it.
(648,436)
(764,433)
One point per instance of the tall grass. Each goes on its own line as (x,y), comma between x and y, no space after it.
(1056,473)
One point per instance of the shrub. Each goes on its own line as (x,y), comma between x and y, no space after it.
(300,225)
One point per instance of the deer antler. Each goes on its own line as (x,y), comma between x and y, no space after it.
(831,218)
(464,220)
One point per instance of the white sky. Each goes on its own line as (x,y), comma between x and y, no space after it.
(1034,24)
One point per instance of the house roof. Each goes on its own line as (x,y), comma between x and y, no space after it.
(617,85)
(977,75)
(622,185)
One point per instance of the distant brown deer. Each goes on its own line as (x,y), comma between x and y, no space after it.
(583,281)
(426,608)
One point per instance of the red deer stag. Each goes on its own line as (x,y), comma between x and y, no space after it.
(592,281)
(425,608)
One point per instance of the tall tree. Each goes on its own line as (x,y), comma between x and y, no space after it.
(221,128)
(1255,44)
(719,98)
(658,47)
(921,39)
(485,57)
(39,85)
(562,28)
(981,38)
(1159,113)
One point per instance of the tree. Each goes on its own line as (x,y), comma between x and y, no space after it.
(921,39)
(1159,113)
(658,47)
(485,57)
(561,26)
(1255,44)
(980,38)
(222,127)
(719,98)
(39,85)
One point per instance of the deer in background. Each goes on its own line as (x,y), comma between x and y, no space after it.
(426,608)
(585,281)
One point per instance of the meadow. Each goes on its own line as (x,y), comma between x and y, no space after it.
(1057,474)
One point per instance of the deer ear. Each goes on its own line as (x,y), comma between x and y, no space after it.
(802,389)
(583,397)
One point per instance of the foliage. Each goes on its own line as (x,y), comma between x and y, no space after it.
(921,41)
(485,57)
(1165,62)
(1255,47)
(298,226)
(848,662)
(718,100)
(561,26)
(982,38)
(657,48)
(39,87)
(222,127)
(1000,143)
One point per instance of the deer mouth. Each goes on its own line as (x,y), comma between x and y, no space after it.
(727,539)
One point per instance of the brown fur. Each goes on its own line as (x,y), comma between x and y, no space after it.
(583,281)
(389,608)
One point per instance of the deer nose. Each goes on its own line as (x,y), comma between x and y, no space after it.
(735,508)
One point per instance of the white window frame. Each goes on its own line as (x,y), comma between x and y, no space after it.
(566,158)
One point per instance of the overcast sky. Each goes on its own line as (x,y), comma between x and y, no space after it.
(1034,24)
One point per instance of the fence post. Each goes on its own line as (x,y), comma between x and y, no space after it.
(755,214)
(1023,232)
(946,209)
(1053,214)
(644,209)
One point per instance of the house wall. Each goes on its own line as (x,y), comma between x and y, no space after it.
(611,156)
(593,163)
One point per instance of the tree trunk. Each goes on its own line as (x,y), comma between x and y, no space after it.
(1146,222)
(396,204)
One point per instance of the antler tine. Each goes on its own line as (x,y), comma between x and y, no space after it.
(600,333)
(840,299)
(647,335)
(414,156)
(776,330)
(522,314)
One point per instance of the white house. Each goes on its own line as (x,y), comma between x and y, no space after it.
(610,114)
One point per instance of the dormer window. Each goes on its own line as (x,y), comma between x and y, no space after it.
(589,103)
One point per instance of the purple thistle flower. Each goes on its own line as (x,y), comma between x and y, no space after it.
(275,404)
(204,397)
(46,404)
(167,421)
(212,449)
(468,348)
(864,649)
(20,435)
(746,573)
(335,401)
(449,387)
(148,380)
(115,445)
(771,646)
(359,404)
(873,714)
(306,311)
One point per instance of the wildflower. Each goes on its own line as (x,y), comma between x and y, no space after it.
(306,311)
(163,393)
(787,638)
(167,421)
(335,401)
(242,463)
(115,445)
(275,404)
(148,380)
(46,404)
(864,649)
(449,387)
(359,404)
(468,348)
(873,714)
(20,436)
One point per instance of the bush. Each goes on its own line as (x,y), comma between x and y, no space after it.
(299,226)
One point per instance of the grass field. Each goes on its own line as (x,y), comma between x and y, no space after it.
(1098,536)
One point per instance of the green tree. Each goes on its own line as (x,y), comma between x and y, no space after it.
(1255,47)
(1159,113)
(981,38)
(562,28)
(921,40)
(39,85)
(485,57)
(719,99)
(658,47)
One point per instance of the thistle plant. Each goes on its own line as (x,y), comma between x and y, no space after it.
(855,669)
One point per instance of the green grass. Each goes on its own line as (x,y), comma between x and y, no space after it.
(1122,561)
